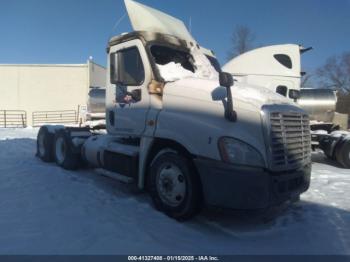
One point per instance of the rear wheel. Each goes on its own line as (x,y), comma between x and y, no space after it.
(329,156)
(63,151)
(44,145)
(343,154)
(175,186)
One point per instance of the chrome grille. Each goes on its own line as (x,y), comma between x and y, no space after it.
(289,139)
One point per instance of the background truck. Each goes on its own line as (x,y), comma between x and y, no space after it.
(176,129)
(278,68)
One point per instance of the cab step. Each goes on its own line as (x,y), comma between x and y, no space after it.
(116,176)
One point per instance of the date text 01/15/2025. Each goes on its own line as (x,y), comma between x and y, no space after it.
(173,258)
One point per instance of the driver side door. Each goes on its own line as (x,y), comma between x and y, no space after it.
(130,74)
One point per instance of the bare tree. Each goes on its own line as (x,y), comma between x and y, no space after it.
(305,80)
(242,41)
(336,73)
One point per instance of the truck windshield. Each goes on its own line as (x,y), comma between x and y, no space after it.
(174,64)
(164,55)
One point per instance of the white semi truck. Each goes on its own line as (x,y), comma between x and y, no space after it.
(178,129)
(278,68)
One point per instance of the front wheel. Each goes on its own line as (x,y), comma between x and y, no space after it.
(174,186)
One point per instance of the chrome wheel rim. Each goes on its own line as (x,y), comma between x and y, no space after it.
(60,150)
(171,184)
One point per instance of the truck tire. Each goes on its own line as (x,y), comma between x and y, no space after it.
(329,156)
(44,145)
(175,186)
(63,151)
(343,154)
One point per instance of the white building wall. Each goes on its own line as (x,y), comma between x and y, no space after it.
(97,75)
(43,87)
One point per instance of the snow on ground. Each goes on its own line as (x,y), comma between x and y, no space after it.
(47,210)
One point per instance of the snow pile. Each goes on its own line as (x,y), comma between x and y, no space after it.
(47,210)
(174,71)
(257,96)
(94,123)
(7,133)
(203,69)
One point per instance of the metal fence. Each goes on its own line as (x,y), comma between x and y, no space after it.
(13,119)
(63,117)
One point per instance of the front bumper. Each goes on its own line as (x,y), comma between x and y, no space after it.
(230,186)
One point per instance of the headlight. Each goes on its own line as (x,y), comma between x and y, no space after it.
(237,152)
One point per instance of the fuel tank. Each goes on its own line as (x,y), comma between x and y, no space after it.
(97,101)
(319,103)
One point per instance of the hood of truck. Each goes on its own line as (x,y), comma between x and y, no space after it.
(145,18)
(188,104)
(243,95)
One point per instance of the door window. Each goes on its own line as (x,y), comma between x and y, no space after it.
(282,90)
(127,68)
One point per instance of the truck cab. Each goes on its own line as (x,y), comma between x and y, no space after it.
(181,130)
(276,67)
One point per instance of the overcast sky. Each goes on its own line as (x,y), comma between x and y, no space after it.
(69,31)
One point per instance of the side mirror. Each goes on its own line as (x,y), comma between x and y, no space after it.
(225,79)
(219,93)
(294,94)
